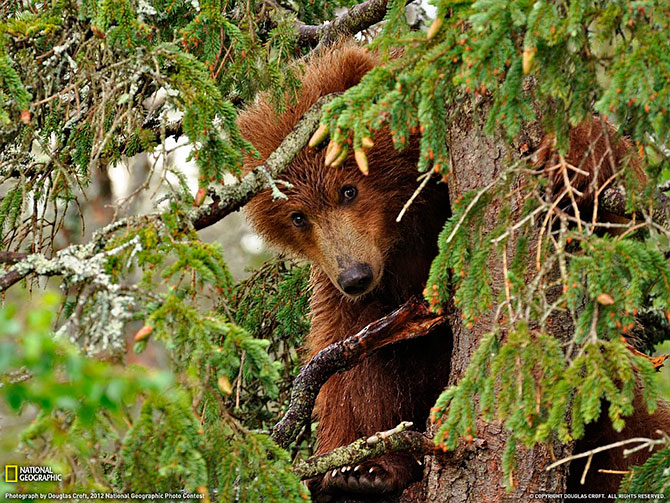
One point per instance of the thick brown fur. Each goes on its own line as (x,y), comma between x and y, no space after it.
(401,382)
(595,159)
(398,383)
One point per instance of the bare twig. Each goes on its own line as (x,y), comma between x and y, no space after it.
(469,208)
(613,472)
(571,190)
(35,263)
(394,440)
(645,443)
(586,469)
(409,321)
(240,376)
(226,200)
(416,193)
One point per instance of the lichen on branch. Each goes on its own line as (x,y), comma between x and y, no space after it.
(394,440)
(230,198)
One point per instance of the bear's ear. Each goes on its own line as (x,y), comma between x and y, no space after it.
(334,70)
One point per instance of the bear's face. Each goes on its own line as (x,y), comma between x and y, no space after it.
(340,220)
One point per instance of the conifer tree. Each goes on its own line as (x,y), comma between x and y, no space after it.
(539,293)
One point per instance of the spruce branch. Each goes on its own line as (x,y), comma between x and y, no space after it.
(394,440)
(67,261)
(163,129)
(11,278)
(232,197)
(7,257)
(85,265)
(226,200)
(411,320)
(652,328)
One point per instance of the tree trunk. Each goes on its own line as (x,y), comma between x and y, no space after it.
(474,472)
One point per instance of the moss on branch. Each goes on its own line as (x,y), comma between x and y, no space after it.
(394,440)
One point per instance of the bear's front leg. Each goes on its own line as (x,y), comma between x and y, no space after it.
(361,402)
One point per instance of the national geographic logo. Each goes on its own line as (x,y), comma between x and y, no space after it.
(16,473)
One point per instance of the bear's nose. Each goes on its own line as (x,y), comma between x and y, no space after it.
(356,279)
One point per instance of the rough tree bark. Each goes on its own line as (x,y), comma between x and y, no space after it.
(474,473)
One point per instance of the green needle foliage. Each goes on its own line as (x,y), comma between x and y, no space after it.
(607,57)
(85,85)
(272,304)
(511,63)
(652,477)
(108,428)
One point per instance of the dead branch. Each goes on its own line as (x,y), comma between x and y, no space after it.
(7,257)
(643,443)
(411,320)
(24,264)
(357,18)
(225,200)
(11,278)
(394,440)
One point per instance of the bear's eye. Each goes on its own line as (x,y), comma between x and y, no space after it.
(348,193)
(299,220)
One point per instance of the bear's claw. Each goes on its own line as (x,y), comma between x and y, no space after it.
(366,478)
(384,475)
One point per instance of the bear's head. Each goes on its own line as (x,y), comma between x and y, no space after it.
(340,220)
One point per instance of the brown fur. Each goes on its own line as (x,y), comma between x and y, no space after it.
(640,424)
(401,382)
(595,148)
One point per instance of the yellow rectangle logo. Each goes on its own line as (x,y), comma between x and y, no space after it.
(11,473)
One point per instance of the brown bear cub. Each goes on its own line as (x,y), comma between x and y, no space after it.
(364,265)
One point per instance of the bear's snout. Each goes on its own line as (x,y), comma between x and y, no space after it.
(356,280)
